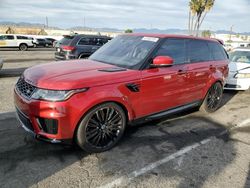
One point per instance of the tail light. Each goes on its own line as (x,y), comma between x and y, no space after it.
(68,48)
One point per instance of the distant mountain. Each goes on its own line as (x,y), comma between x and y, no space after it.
(25,24)
(79,28)
(155,30)
(136,30)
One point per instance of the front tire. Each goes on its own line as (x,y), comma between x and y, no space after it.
(212,101)
(23,47)
(101,128)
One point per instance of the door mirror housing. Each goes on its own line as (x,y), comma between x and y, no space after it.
(162,61)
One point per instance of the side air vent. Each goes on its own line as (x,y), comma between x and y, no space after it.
(134,87)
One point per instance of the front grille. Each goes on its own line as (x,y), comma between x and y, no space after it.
(24,88)
(24,120)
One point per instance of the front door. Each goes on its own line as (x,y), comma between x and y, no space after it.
(164,88)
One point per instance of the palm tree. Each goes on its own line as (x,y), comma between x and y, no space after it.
(198,9)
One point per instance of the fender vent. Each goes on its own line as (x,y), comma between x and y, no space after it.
(134,87)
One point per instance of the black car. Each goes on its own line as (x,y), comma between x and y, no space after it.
(51,41)
(39,42)
(78,46)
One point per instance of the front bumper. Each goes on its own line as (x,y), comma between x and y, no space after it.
(28,129)
(29,112)
(237,83)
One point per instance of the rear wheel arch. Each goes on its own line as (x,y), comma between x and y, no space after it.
(23,44)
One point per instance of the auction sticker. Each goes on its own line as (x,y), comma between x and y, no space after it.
(151,39)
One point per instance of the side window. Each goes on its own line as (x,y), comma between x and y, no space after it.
(100,41)
(9,37)
(174,48)
(1,37)
(19,37)
(83,41)
(198,51)
(87,41)
(217,51)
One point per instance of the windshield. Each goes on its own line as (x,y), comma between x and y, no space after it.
(125,51)
(240,56)
(66,40)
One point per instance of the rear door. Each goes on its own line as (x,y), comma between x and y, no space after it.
(200,61)
(86,45)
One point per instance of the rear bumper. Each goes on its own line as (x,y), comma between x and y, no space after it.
(60,56)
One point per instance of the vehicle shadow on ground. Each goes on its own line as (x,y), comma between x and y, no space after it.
(247,184)
(151,142)
(25,161)
(227,96)
(29,49)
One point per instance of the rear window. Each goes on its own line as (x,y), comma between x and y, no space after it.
(218,51)
(198,51)
(66,40)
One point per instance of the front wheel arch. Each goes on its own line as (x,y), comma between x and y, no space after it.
(82,116)
(82,142)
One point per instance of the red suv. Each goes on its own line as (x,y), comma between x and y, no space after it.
(132,78)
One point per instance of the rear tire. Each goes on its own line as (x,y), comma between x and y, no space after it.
(23,47)
(212,101)
(101,128)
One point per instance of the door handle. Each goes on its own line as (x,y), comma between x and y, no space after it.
(181,72)
(212,68)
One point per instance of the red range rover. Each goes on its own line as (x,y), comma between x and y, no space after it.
(132,78)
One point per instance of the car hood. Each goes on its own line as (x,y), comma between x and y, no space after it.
(236,67)
(76,74)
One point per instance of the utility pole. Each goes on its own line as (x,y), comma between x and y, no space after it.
(84,23)
(47,22)
(231,32)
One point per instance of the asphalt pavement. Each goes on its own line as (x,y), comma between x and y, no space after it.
(190,149)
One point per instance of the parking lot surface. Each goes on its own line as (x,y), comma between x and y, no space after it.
(190,149)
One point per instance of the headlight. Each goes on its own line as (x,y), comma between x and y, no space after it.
(55,95)
(242,75)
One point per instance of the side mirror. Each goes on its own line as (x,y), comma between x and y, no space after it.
(162,61)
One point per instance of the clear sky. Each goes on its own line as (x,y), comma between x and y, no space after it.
(124,14)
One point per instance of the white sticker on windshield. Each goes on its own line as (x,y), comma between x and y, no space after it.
(151,39)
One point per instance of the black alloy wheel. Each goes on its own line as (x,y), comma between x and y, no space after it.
(213,98)
(101,128)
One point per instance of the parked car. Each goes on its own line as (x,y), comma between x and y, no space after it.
(78,46)
(51,42)
(132,78)
(15,41)
(1,64)
(39,42)
(228,47)
(239,70)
